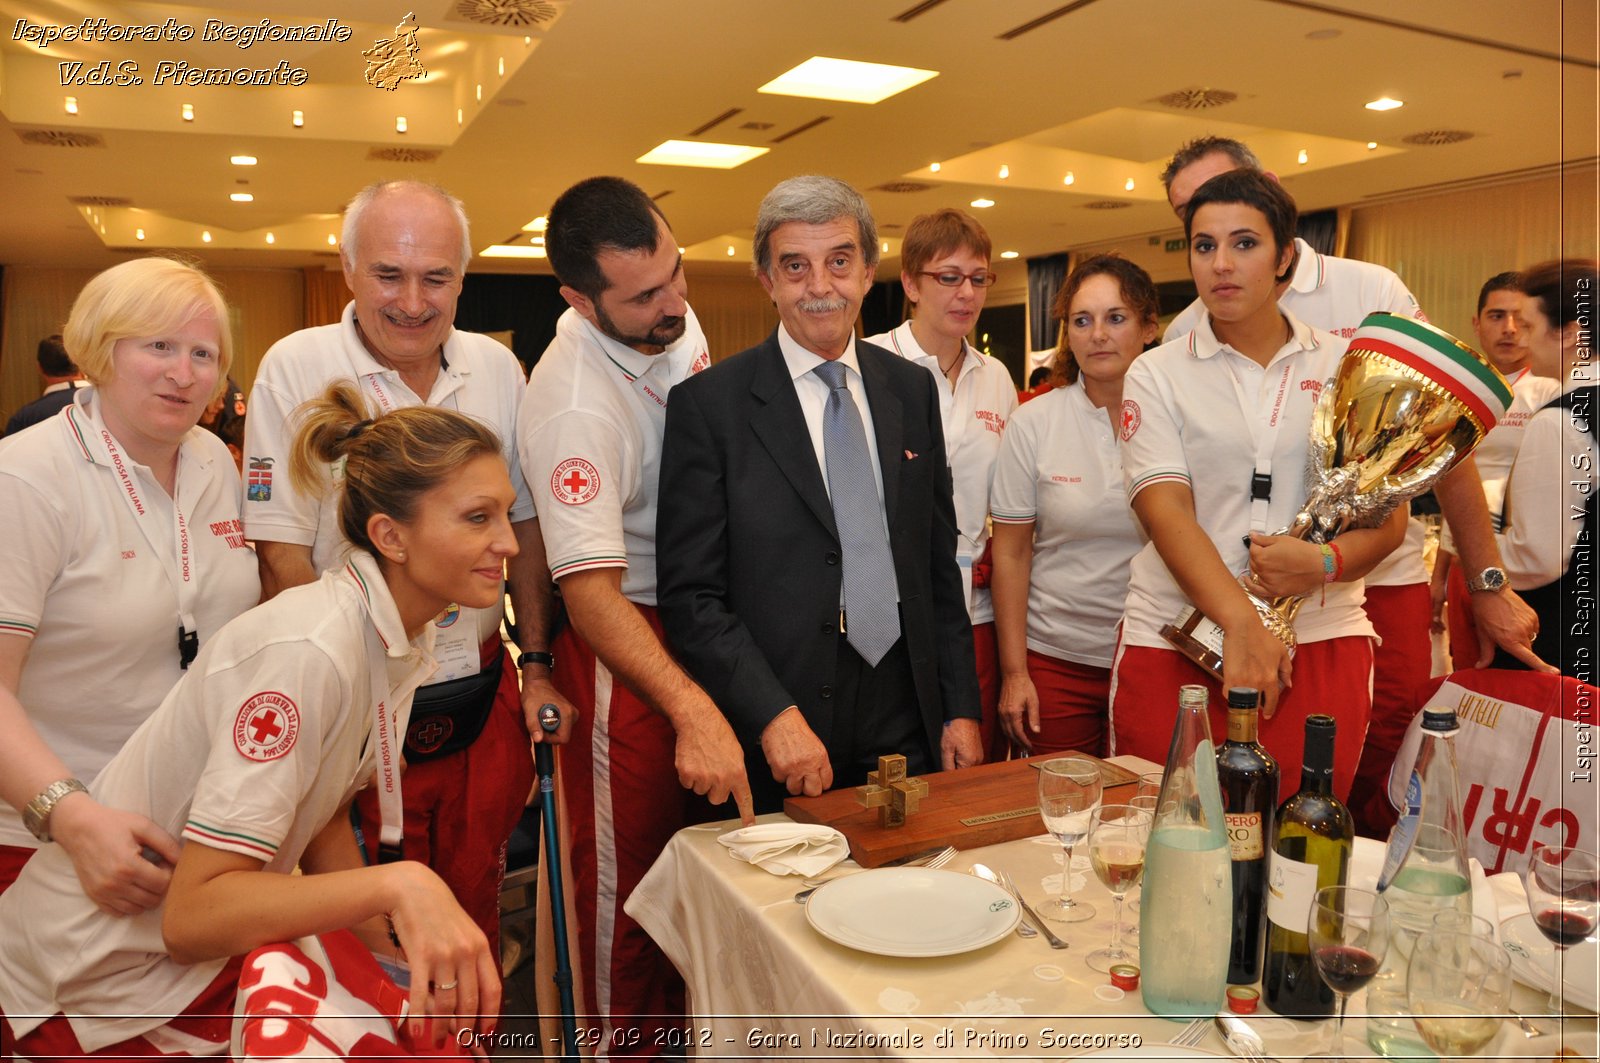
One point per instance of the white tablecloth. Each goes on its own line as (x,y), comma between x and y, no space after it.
(762,982)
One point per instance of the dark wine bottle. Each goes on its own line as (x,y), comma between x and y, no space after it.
(1310,849)
(1248,775)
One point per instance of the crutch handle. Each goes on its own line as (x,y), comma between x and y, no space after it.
(543,757)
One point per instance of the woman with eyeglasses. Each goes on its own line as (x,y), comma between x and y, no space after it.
(1063,532)
(944,268)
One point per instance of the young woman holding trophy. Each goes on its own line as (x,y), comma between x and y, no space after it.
(1215,431)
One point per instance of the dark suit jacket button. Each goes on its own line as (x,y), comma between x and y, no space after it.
(832,557)
(826,692)
(827,627)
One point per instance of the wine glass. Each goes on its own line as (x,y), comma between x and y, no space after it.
(1459,986)
(1348,935)
(1149,785)
(1147,802)
(1117,838)
(1563,887)
(1069,789)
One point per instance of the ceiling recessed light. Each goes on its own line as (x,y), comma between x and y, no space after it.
(502,66)
(242,160)
(70,104)
(188,112)
(1008,254)
(700,153)
(271,239)
(241,197)
(731,251)
(931,169)
(527,41)
(884,248)
(1302,158)
(399,123)
(1372,145)
(536,225)
(1005,172)
(205,236)
(680,249)
(460,117)
(333,241)
(1384,103)
(981,203)
(1069,179)
(480,97)
(138,234)
(821,78)
(512,251)
(1129,184)
(298,118)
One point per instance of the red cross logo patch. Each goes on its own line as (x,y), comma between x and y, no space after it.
(429,733)
(1130,418)
(267,726)
(575,482)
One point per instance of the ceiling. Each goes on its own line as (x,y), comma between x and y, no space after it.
(1042,87)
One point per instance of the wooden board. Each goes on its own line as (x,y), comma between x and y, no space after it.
(973,807)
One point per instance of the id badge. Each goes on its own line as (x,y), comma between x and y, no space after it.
(455,645)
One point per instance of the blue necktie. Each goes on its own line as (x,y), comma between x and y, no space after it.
(872,614)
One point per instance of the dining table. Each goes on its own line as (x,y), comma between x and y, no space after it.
(764,981)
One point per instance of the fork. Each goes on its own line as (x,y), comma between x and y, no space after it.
(942,856)
(1038,923)
(937,860)
(1191,1034)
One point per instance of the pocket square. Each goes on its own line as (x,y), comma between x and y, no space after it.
(910,456)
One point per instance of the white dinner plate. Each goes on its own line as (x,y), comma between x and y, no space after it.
(1155,1051)
(912,911)
(1533,960)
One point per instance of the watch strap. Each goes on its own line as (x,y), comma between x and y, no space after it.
(36,813)
(543,657)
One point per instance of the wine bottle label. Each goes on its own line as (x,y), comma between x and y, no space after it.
(1244,835)
(1291,887)
(1208,633)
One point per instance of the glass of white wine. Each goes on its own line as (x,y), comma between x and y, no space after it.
(1459,986)
(1117,838)
(1069,789)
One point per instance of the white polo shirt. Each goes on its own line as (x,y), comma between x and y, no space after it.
(1061,469)
(1498,450)
(270,733)
(1546,492)
(479,377)
(90,570)
(974,414)
(589,431)
(1197,412)
(1335,294)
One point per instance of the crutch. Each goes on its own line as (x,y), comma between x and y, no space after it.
(544,764)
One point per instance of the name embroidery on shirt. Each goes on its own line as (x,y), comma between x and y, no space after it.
(231,531)
(991,420)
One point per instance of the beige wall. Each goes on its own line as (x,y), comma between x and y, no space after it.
(264,305)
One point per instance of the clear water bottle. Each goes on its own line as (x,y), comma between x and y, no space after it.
(1186,911)
(1425,872)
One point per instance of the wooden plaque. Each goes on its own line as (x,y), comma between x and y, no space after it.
(969,808)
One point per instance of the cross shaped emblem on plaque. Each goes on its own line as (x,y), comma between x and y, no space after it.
(890,792)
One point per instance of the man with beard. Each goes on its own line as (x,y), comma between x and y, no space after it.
(590,438)
(405,248)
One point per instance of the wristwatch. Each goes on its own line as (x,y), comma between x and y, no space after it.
(36,813)
(536,657)
(1490,579)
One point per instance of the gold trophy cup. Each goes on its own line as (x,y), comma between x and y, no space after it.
(1408,403)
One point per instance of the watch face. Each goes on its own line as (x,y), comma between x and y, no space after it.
(1491,579)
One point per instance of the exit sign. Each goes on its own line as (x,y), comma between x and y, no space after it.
(1180,244)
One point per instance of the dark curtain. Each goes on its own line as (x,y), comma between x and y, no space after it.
(527,305)
(1045,276)
(1320,229)
(883,308)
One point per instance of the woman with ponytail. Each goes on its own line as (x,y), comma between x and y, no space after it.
(253,760)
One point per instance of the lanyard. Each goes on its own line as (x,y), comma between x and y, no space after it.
(179,565)
(384,722)
(1264,437)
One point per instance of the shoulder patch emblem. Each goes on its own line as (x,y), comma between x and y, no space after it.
(258,485)
(1130,419)
(575,482)
(266,727)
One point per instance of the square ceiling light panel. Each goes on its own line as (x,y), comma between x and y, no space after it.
(821,78)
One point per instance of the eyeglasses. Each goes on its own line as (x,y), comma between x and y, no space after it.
(951,279)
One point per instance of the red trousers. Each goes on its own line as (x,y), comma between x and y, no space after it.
(1074,702)
(12,857)
(621,795)
(1462,630)
(1333,676)
(461,808)
(986,650)
(1400,667)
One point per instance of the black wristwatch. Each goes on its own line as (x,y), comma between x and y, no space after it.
(543,657)
(1490,579)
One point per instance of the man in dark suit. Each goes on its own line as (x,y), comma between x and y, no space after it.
(804,492)
(61,379)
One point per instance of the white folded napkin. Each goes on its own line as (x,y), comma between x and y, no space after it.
(787,848)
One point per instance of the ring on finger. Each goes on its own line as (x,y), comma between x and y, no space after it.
(445,987)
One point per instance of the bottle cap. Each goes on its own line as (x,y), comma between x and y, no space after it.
(1438,719)
(1243,999)
(1125,975)
(1243,697)
(1319,742)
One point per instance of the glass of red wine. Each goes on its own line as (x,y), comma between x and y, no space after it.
(1563,887)
(1349,935)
